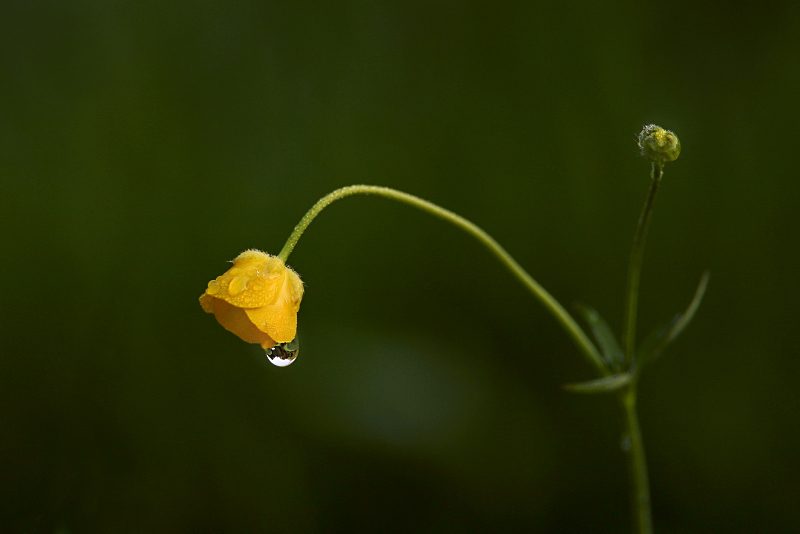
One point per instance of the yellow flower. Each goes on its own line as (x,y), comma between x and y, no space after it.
(257,299)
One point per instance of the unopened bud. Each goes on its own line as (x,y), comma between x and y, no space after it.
(659,145)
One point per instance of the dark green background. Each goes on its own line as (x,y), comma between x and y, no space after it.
(144,144)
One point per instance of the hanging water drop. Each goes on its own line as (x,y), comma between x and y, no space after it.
(282,354)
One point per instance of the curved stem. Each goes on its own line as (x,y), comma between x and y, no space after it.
(637,464)
(635,265)
(552,305)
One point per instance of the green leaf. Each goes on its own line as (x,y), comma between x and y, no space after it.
(661,337)
(604,336)
(606,384)
(678,327)
(654,343)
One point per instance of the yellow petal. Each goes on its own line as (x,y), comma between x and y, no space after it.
(251,255)
(235,320)
(280,319)
(205,302)
(296,288)
(278,322)
(252,282)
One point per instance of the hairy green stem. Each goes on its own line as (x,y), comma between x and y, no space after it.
(551,304)
(637,464)
(635,266)
(632,439)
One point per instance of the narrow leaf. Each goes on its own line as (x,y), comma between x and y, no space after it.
(604,336)
(606,384)
(654,343)
(678,327)
(661,337)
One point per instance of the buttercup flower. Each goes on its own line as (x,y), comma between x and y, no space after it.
(257,299)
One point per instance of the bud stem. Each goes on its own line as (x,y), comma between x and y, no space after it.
(551,304)
(635,265)
(637,463)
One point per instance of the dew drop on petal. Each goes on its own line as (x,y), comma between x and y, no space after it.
(283,354)
(213,287)
(237,285)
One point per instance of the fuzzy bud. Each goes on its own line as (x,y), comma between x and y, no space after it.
(659,145)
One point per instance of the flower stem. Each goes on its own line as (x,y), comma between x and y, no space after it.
(637,464)
(551,304)
(635,265)
(634,446)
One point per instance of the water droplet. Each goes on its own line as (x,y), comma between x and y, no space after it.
(237,285)
(282,354)
(213,288)
(625,443)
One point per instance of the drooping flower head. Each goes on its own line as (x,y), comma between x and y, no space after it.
(257,299)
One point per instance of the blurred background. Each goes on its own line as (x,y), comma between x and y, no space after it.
(145,144)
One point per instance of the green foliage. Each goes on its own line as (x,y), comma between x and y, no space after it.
(613,356)
(658,339)
(607,384)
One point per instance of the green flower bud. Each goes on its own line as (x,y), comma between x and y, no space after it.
(659,145)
